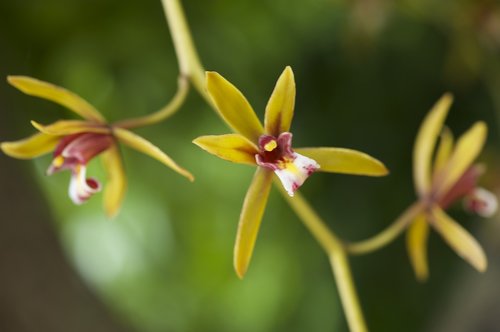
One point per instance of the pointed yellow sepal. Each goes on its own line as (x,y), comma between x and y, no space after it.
(279,109)
(31,147)
(468,147)
(347,161)
(232,147)
(459,240)
(426,141)
(116,184)
(444,150)
(416,242)
(140,144)
(61,96)
(233,107)
(70,127)
(250,219)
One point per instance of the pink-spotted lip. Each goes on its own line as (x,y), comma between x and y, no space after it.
(73,153)
(277,155)
(82,188)
(475,199)
(481,202)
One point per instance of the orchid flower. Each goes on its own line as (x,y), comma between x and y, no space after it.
(269,148)
(76,142)
(439,183)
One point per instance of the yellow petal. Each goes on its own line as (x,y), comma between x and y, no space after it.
(146,147)
(31,147)
(70,127)
(232,147)
(279,109)
(233,107)
(61,96)
(425,142)
(250,218)
(468,147)
(459,240)
(444,150)
(116,183)
(347,161)
(416,242)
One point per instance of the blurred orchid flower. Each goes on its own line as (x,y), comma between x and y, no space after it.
(439,183)
(75,142)
(269,147)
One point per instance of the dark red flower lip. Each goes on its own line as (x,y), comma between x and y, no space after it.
(277,155)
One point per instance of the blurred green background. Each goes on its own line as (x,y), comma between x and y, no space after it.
(367,72)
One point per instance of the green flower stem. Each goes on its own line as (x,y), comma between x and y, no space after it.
(347,290)
(387,235)
(189,62)
(332,245)
(164,113)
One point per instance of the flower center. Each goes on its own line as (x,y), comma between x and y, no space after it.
(73,153)
(277,155)
(271,145)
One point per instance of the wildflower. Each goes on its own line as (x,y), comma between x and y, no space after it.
(440,183)
(76,142)
(269,147)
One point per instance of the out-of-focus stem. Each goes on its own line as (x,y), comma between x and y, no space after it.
(347,290)
(387,235)
(164,113)
(333,247)
(189,63)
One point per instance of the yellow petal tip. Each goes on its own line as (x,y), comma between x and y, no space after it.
(37,125)
(14,79)
(110,215)
(211,74)
(4,146)
(422,277)
(378,169)
(19,81)
(384,171)
(481,265)
(448,97)
(240,270)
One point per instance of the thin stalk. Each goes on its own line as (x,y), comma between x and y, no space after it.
(387,235)
(337,255)
(189,62)
(164,113)
(325,237)
(347,290)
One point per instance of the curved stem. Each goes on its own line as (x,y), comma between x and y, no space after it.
(167,111)
(189,62)
(387,235)
(332,245)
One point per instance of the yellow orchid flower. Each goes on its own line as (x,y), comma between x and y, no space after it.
(75,142)
(269,147)
(441,182)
